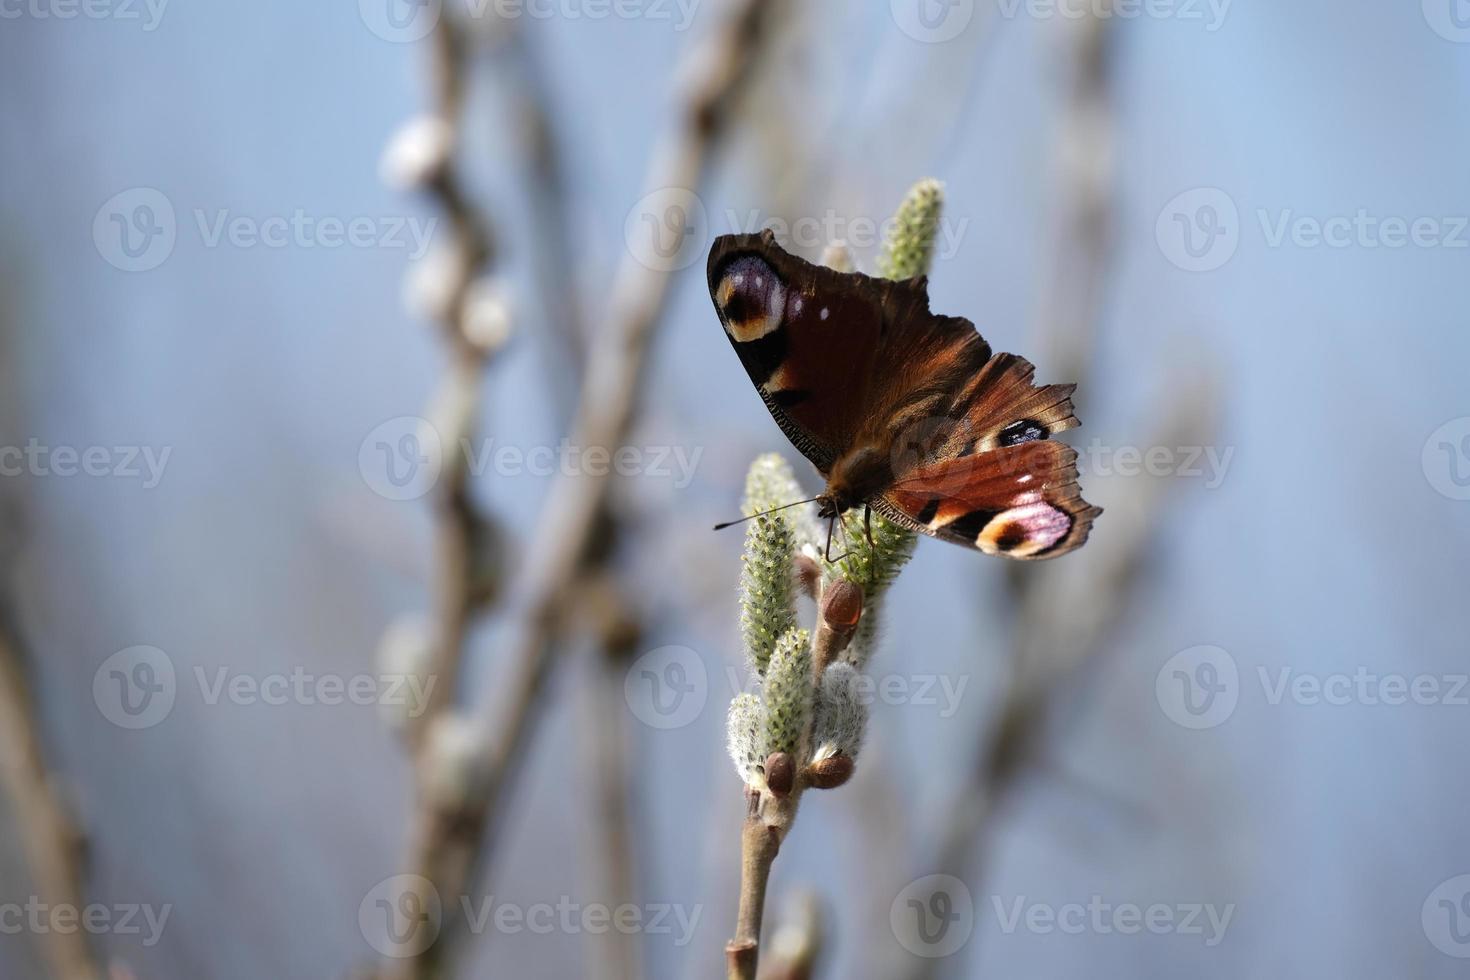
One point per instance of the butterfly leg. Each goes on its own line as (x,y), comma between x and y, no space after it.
(868,525)
(831,522)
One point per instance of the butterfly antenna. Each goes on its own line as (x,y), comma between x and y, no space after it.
(721,527)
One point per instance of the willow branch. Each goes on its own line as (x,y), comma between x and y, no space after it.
(760,841)
(770,812)
(458,527)
(451,850)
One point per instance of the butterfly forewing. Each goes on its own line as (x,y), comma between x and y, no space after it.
(807,344)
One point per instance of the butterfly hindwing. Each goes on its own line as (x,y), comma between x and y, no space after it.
(1019,501)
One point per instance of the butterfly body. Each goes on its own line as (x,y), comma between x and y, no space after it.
(902,410)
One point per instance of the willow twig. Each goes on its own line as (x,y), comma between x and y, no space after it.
(806,727)
(459,529)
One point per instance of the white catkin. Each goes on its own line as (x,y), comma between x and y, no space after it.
(842,717)
(744,737)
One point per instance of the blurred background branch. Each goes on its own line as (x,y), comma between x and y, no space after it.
(53,843)
(451,850)
(1064,615)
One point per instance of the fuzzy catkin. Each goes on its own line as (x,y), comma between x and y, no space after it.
(768,572)
(841,715)
(910,243)
(788,694)
(744,728)
(767,588)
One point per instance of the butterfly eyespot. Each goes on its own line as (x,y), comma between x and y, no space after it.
(752,298)
(1022,430)
(1024,530)
(1010,536)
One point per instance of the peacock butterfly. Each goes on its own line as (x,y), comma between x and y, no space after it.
(902,410)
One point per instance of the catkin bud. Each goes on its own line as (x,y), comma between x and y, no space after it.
(487,316)
(429,288)
(417,154)
(842,606)
(405,651)
(454,762)
(838,256)
(830,772)
(780,774)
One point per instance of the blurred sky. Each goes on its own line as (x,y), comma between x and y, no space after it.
(1332,544)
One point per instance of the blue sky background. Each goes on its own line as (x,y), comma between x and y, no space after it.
(1332,544)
